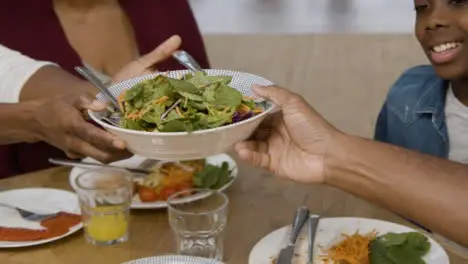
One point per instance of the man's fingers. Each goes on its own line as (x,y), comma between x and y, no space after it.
(252,145)
(161,53)
(254,152)
(96,106)
(262,134)
(73,155)
(79,127)
(87,102)
(255,158)
(96,136)
(82,148)
(277,95)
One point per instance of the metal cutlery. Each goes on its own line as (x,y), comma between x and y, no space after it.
(312,230)
(187,60)
(145,168)
(113,118)
(174,105)
(300,218)
(28,215)
(88,75)
(73,163)
(111,121)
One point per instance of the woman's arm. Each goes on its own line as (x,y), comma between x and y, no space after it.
(426,189)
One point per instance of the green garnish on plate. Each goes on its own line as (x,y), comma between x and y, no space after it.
(212,176)
(402,248)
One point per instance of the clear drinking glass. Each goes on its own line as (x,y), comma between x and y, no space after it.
(199,224)
(105,196)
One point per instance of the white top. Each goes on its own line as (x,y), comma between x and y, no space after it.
(15,70)
(456,115)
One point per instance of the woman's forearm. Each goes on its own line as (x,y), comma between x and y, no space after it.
(429,190)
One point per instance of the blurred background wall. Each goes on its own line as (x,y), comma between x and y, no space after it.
(341,55)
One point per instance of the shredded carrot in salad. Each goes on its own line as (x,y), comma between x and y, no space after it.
(244,107)
(353,249)
(133,116)
(138,115)
(120,99)
(161,100)
(257,110)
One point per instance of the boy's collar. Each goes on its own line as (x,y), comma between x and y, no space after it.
(432,101)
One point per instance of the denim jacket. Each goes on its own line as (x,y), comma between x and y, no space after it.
(413,115)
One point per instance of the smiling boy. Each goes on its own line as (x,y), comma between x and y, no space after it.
(427,108)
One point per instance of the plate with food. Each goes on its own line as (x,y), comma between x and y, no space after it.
(354,241)
(15,231)
(152,191)
(181,115)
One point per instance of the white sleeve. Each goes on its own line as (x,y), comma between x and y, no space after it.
(15,70)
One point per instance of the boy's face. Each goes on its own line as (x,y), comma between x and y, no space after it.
(442,30)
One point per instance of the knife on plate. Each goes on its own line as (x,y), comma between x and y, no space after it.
(312,229)
(84,164)
(300,218)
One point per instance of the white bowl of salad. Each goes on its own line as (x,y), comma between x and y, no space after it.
(209,112)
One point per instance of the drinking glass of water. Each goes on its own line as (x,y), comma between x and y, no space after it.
(198,218)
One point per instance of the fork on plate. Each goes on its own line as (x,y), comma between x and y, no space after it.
(28,215)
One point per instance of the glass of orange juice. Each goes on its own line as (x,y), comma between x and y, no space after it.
(105,196)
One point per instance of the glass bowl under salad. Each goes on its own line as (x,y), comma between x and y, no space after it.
(181,115)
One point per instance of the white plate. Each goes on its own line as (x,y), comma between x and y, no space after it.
(328,233)
(173,260)
(136,160)
(40,200)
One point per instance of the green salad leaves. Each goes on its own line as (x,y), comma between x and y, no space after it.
(206,102)
(403,248)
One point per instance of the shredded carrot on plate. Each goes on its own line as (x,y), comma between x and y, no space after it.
(353,249)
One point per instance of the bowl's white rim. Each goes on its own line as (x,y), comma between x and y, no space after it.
(177,134)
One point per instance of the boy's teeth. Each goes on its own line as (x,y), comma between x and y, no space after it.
(446,46)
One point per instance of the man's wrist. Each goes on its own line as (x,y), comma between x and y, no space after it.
(34,127)
(50,81)
(20,123)
(336,160)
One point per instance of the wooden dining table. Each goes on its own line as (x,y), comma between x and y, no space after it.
(259,204)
